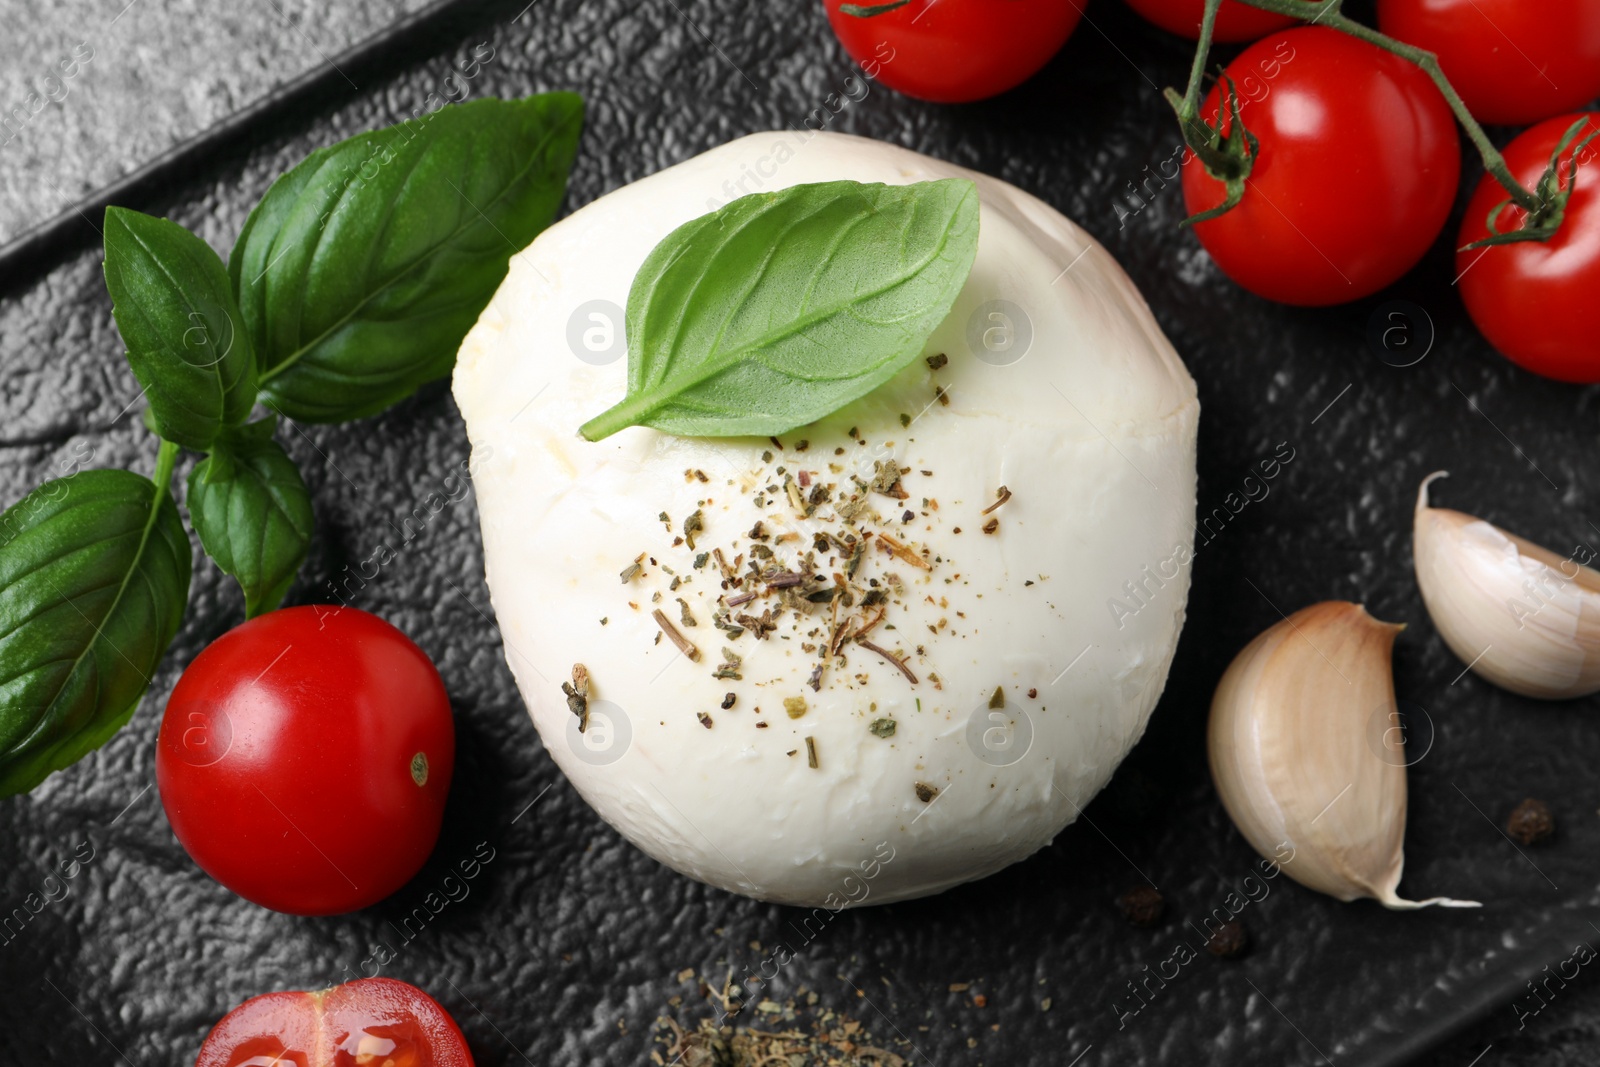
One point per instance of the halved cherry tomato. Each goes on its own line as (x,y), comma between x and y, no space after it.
(1355,176)
(304,759)
(1235,21)
(1538,302)
(1513,61)
(952,51)
(372,1022)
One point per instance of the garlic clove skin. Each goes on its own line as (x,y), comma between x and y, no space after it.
(1305,755)
(1521,616)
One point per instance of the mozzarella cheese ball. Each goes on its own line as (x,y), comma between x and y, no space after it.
(876,656)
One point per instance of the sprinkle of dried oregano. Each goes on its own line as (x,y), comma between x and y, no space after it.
(631,571)
(694,524)
(1003,495)
(728,669)
(684,644)
(577,693)
(890,656)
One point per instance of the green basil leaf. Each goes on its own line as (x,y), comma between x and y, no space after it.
(94,577)
(174,307)
(253,513)
(780,308)
(362,269)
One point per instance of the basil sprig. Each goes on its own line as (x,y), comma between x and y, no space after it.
(353,283)
(780,308)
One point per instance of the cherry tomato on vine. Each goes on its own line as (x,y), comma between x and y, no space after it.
(304,758)
(1356,172)
(1235,21)
(952,51)
(1538,302)
(1512,61)
(372,1022)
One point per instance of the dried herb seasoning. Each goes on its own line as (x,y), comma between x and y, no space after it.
(728,669)
(683,643)
(1002,495)
(896,661)
(694,524)
(577,694)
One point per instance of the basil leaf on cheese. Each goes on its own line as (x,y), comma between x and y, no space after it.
(780,308)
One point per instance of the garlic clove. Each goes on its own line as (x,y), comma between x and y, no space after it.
(1305,755)
(1518,614)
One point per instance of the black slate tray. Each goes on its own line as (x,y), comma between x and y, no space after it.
(569,944)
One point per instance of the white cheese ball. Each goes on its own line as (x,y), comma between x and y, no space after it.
(1067,598)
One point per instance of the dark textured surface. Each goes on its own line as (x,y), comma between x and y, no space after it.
(569,943)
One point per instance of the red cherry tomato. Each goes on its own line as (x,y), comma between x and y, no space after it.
(1356,173)
(304,759)
(1513,61)
(1538,302)
(952,51)
(1235,21)
(373,1022)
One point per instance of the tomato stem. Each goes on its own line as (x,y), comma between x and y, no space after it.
(1226,157)
(1330,13)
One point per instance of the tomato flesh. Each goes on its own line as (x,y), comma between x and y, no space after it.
(1538,302)
(953,51)
(372,1022)
(1514,62)
(1356,173)
(305,757)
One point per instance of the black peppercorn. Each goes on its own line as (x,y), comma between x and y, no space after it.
(1229,941)
(1531,822)
(1142,906)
